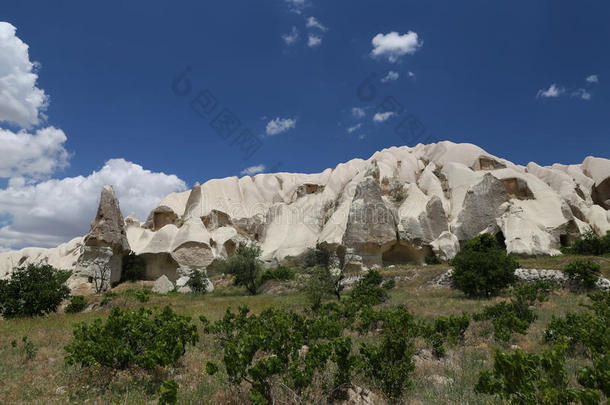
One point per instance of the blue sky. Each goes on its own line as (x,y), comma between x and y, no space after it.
(477,71)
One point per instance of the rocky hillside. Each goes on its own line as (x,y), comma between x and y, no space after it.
(400,205)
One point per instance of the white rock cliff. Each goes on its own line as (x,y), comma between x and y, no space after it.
(400,205)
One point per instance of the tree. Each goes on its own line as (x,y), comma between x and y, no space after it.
(198,282)
(583,272)
(33,291)
(101,275)
(482,268)
(246,266)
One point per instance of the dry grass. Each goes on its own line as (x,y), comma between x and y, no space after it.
(47,380)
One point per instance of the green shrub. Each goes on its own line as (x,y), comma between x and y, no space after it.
(129,338)
(319,258)
(444,329)
(508,318)
(142,295)
(28,348)
(280,273)
(245,265)
(389,284)
(482,268)
(198,282)
(368,290)
(526,378)
(77,304)
(585,273)
(168,392)
(321,284)
(33,291)
(590,244)
(134,268)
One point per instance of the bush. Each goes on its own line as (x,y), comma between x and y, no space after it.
(168,392)
(27,349)
(444,329)
(585,273)
(198,282)
(134,268)
(129,338)
(368,290)
(77,304)
(141,295)
(590,244)
(33,291)
(280,273)
(482,268)
(319,286)
(526,378)
(246,266)
(319,258)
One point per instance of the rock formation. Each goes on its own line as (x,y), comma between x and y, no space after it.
(400,205)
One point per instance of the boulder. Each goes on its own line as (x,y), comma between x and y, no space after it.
(483,205)
(446,246)
(162,285)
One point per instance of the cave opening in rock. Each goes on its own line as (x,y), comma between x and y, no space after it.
(501,239)
(402,253)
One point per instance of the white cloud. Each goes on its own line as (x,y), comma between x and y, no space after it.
(291,37)
(358,112)
(592,79)
(313,23)
(354,128)
(252,170)
(33,155)
(21,102)
(582,94)
(394,45)
(552,91)
(361,136)
(382,117)
(390,77)
(314,41)
(411,74)
(296,6)
(279,125)
(54,211)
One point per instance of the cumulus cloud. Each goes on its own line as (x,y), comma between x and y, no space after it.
(582,94)
(21,102)
(296,6)
(55,211)
(411,74)
(358,112)
(383,116)
(394,45)
(390,77)
(592,79)
(32,155)
(252,170)
(314,41)
(291,37)
(354,128)
(279,125)
(311,22)
(552,91)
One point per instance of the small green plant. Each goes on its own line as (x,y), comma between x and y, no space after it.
(33,291)
(280,273)
(482,268)
(27,349)
(444,329)
(246,266)
(321,284)
(127,338)
(389,284)
(198,282)
(142,295)
(77,304)
(368,290)
(590,244)
(168,392)
(583,272)
(526,378)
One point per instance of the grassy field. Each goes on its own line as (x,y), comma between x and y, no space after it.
(47,380)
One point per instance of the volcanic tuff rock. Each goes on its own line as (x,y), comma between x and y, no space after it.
(402,204)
